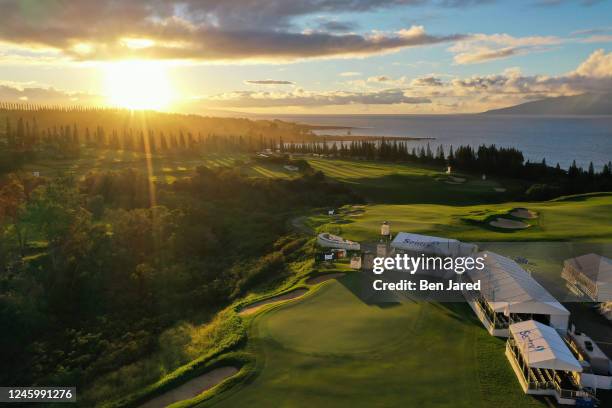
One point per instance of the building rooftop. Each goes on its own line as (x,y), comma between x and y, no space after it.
(596,267)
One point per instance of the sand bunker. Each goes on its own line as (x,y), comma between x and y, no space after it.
(508,224)
(457,179)
(322,278)
(192,388)
(499,189)
(252,308)
(524,213)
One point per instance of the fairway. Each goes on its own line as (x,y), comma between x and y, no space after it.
(393,183)
(585,218)
(160,168)
(331,349)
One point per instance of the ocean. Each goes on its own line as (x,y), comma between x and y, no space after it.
(559,139)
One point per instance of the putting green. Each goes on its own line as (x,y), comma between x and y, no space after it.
(331,349)
(336,332)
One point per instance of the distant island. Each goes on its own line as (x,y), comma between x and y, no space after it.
(584,104)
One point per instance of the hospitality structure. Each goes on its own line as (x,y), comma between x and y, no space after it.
(510,294)
(591,275)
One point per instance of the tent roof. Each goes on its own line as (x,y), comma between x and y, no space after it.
(426,243)
(596,267)
(542,347)
(509,288)
(421,240)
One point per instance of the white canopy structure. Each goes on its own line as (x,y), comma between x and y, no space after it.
(429,245)
(542,347)
(592,274)
(508,289)
(333,241)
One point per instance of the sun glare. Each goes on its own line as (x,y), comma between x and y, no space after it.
(138,85)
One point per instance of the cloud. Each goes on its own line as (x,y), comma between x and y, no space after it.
(207,30)
(427,81)
(335,25)
(593,75)
(597,65)
(268,82)
(37,94)
(350,74)
(300,97)
(586,3)
(589,31)
(486,47)
(380,78)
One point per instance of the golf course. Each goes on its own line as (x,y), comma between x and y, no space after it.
(310,340)
(327,347)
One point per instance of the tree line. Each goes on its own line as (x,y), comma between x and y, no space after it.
(548,181)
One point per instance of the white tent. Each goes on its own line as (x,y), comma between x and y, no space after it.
(592,273)
(542,347)
(333,241)
(508,288)
(431,245)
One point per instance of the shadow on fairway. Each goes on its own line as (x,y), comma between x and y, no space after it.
(413,189)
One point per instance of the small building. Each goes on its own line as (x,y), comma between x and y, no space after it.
(367,261)
(590,274)
(417,244)
(339,253)
(356,262)
(544,365)
(509,294)
(385,230)
(382,250)
(328,240)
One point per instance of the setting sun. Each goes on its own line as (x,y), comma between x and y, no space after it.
(138,85)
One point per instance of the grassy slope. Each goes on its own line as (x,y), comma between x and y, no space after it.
(331,349)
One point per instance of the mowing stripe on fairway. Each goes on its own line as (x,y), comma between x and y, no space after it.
(333,172)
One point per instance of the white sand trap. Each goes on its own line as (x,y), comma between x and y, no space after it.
(500,189)
(458,179)
(524,213)
(508,224)
(192,388)
(252,308)
(323,278)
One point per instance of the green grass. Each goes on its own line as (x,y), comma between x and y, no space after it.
(388,183)
(587,219)
(331,349)
(163,168)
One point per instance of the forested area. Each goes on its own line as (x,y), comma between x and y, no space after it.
(91,273)
(30,132)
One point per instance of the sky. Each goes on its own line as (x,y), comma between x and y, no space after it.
(303,56)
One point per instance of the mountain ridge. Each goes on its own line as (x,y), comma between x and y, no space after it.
(583,104)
